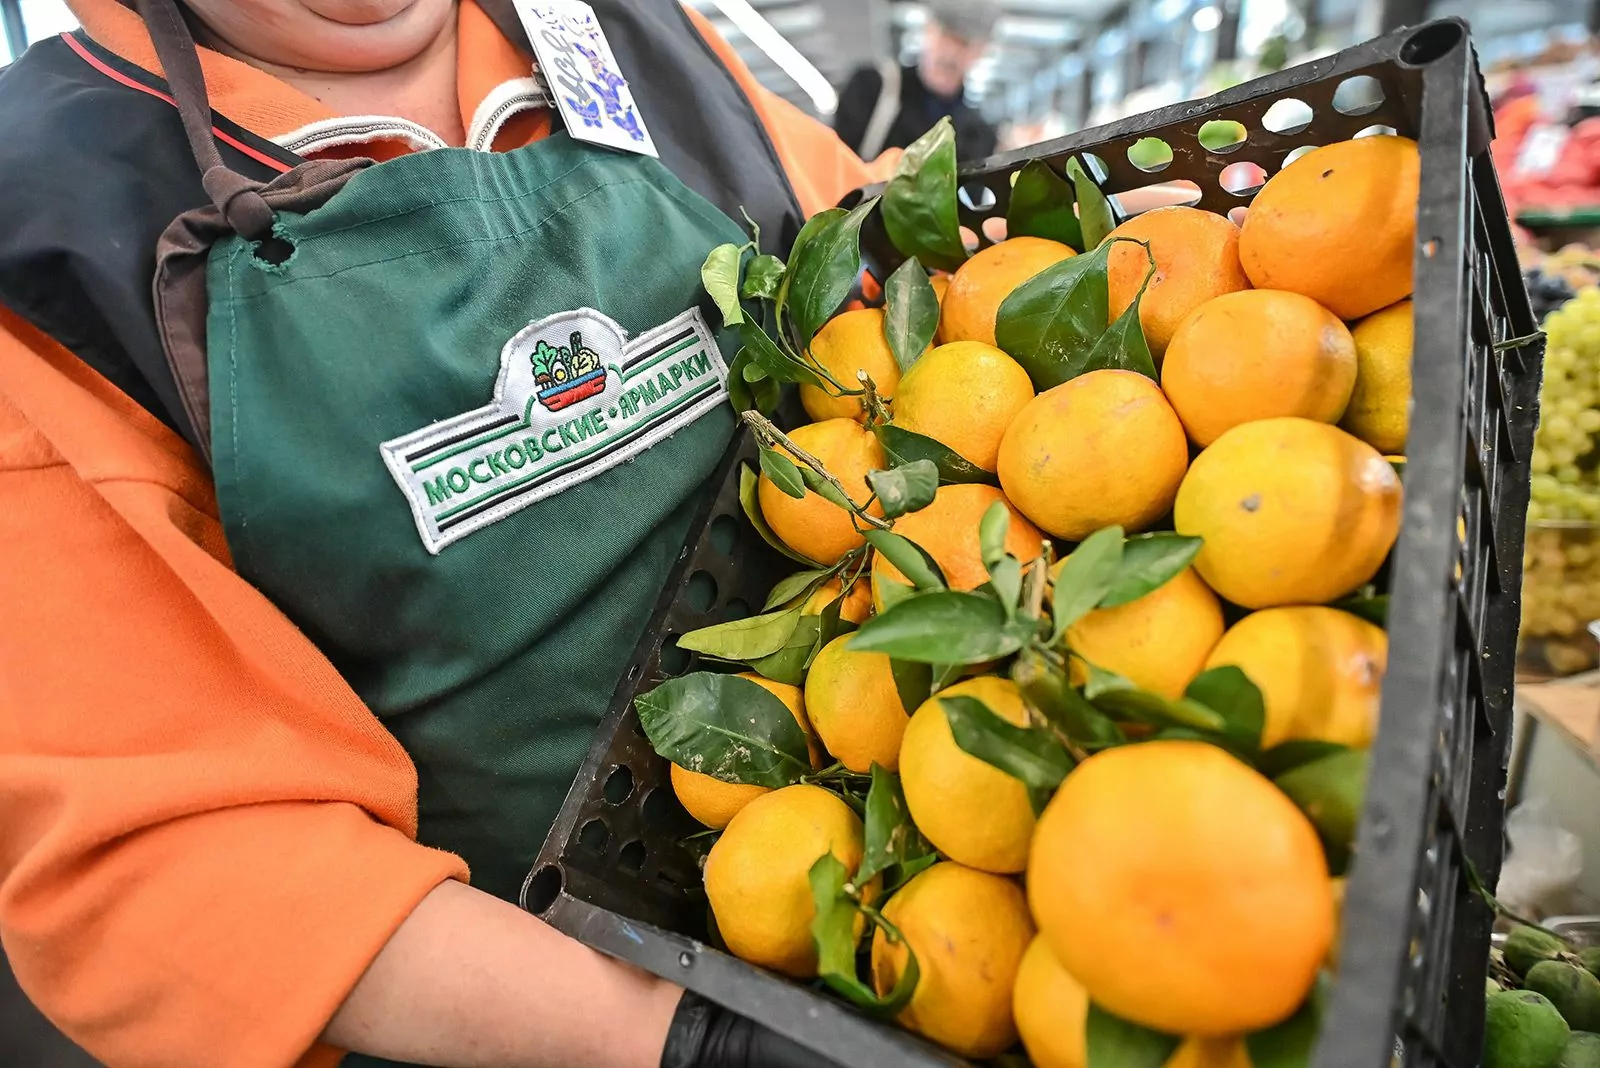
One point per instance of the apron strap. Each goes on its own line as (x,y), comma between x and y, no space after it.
(237,197)
(239,205)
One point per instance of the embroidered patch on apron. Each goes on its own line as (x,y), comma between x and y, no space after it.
(574,398)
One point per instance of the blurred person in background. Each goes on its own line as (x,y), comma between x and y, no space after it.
(889,106)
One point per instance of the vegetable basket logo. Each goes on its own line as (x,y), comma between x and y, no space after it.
(567,375)
(574,398)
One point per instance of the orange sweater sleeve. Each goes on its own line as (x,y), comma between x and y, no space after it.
(820,167)
(205,837)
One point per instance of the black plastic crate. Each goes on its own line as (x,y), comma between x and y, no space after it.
(616,873)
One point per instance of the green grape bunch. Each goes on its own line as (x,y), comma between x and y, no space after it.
(1561,567)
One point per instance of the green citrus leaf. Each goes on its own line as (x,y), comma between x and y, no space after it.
(823,488)
(1027,754)
(1112,693)
(720,277)
(751,503)
(1094,210)
(788,663)
(749,388)
(1330,792)
(912,681)
(910,313)
(762,278)
(782,472)
(1149,561)
(813,226)
(1113,1042)
(833,929)
(906,487)
(1289,1044)
(1005,582)
(1229,692)
(1286,756)
(892,593)
(1050,323)
(832,623)
(919,203)
(1047,689)
(1367,603)
(740,395)
(726,727)
(1086,577)
(1123,346)
(743,639)
(910,558)
(891,835)
(1041,206)
(944,627)
(992,530)
(772,360)
(824,270)
(799,584)
(903,446)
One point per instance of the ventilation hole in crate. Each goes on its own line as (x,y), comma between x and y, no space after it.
(1221,135)
(1297,153)
(1431,43)
(656,808)
(736,609)
(1182,192)
(1287,116)
(701,591)
(1377,131)
(994,228)
(593,836)
(619,784)
(1358,95)
(1242,178)
(674,661)
(1237,215)
(969,238)
(543,887)
(1430,247)
(724,534)
(1150,154)
(631,857)
(977,197)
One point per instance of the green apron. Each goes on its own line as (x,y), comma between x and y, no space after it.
(460,409)
(391,473)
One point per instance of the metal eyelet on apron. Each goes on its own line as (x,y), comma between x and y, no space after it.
(460,408)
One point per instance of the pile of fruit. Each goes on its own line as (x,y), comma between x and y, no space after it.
(1060,732)
(1561,563)
(1543,1008)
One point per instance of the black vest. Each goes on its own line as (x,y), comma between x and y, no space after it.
(94,165)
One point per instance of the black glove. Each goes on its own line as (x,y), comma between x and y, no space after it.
(706,1035)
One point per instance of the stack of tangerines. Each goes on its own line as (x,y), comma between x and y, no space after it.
(1169,883)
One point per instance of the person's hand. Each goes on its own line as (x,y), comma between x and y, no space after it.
(705,1035)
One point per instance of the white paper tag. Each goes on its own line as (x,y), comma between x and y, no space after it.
(582,75)
(575,397)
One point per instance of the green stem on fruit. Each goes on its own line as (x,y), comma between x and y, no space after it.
(877,411)
(1033,586)
(771,437)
